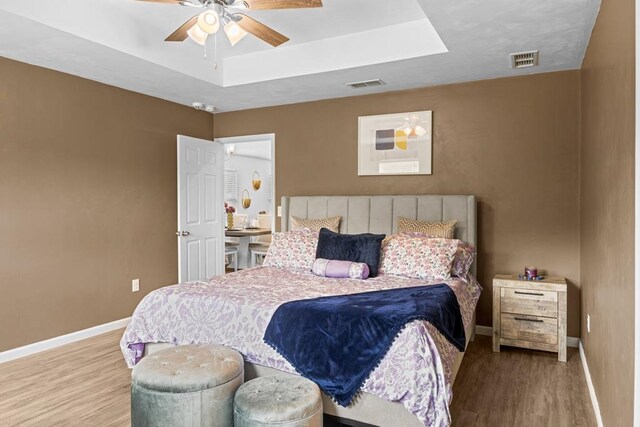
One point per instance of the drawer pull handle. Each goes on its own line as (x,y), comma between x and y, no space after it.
(529,293)
(529,320)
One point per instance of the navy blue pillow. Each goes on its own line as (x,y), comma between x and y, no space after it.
(351,247)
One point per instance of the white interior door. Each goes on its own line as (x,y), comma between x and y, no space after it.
(200,209)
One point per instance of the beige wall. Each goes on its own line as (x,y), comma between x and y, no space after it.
(512,142)
(607,206)
(87,200)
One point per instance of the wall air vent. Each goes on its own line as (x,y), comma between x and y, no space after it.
(524,59)
(365,83)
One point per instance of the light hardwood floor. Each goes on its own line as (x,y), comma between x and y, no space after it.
(87,384)
(519,387)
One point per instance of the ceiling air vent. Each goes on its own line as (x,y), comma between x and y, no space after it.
(366,83)
(524,59)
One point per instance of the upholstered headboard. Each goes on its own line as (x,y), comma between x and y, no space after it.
(377,214)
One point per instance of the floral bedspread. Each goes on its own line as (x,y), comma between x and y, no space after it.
(234,310)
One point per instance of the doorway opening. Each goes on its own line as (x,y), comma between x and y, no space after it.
(249,187)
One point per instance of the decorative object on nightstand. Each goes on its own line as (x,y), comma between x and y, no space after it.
(530,272)
(530,314)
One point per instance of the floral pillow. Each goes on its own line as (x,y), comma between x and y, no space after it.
(419,258)
(462,260)
(293,250)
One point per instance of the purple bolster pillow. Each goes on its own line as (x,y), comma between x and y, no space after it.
(340,269)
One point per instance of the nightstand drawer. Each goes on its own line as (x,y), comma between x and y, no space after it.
(531,302)
(529,328)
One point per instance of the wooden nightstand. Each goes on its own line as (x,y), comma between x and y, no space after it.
(530,314)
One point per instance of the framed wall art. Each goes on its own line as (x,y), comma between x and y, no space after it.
(395,144)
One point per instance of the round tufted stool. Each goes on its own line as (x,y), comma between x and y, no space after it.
(282,400)
(189,385)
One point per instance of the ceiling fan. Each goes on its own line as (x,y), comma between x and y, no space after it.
(236,25)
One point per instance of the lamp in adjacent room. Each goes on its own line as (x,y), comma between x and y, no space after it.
(229,149)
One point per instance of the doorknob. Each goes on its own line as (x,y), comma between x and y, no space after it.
(183,233)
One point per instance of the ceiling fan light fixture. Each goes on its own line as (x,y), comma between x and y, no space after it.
(240,5)
(209,21)
(188,3)
(234,32)
(197,35)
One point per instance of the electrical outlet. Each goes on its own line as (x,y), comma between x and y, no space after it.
(279,211)
(588,323)
(135,285)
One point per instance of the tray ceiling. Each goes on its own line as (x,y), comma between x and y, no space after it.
(406,43)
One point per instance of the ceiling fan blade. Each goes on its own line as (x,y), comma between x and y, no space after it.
(261,31)
(282,4)
(190,3)
(162,1)
(180,34)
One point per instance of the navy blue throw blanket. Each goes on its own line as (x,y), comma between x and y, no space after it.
(337,341)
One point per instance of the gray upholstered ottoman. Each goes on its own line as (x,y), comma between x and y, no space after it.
(189,385)
(279,400)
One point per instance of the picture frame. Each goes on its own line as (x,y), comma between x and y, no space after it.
(395,144)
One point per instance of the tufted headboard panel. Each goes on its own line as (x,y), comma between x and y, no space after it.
(377,214)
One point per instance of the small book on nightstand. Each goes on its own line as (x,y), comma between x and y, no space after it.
(530,313)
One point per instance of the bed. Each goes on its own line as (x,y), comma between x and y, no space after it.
(409,388)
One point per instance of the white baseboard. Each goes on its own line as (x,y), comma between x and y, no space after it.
(37,347)
(488,331)
(592,391)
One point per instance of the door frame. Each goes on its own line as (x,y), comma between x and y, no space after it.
(271,137)
(636,369)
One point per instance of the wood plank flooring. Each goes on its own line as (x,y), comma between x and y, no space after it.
(518,387)
(84,383)
(87,384)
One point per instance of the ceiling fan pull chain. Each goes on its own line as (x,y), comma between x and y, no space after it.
(205,50)
(215,51)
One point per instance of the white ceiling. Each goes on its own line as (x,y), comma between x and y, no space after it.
(256,149)
(406,43)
